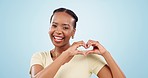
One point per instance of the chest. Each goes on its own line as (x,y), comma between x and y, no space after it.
(76,68)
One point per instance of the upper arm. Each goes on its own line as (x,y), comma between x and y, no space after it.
(105,72)
(35,69)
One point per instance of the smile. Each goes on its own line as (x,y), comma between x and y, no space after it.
(58,38)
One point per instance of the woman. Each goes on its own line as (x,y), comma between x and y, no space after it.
(65,60)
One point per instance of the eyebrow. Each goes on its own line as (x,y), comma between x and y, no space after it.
(54,23)
(62,24)
(65,25)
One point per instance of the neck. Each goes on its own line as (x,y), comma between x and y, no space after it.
(59,50)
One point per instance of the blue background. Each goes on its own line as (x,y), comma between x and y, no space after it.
(120,25)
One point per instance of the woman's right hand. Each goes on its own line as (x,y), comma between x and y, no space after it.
(72,50)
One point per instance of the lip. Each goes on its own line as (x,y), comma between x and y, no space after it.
(58,38)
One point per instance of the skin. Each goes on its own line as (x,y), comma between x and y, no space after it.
(62,27)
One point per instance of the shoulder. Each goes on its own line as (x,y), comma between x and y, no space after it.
(41,54)
(41,58)
(95,63)
(95,59)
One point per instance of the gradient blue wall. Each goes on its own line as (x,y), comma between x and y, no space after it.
(120,25)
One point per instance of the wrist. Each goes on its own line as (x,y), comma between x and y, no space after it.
(67,53)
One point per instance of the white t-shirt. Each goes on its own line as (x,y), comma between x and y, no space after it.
(78,67)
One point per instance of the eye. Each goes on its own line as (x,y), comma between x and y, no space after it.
(54,26)
(65,28)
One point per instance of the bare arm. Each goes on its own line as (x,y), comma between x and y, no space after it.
(105,72)
(116,71)
(37,71)
(112,69)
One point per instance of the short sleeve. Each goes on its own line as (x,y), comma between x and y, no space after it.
(36,59)
(95,63)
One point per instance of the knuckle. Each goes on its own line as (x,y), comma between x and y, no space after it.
(75,43)
(89,40)
(97,41)
(81,41)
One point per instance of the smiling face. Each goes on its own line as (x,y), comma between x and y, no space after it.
(61,29)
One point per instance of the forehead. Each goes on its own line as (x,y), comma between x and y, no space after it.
(62,17)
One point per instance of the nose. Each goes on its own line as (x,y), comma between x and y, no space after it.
(58,30)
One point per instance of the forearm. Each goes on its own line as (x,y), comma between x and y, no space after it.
(115,70)
(51,70)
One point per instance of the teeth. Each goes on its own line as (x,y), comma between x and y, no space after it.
(58,38)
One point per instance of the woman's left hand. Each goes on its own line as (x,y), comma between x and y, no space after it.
(97,48)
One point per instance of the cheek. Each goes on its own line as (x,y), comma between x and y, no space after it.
(50,32)
(69,34)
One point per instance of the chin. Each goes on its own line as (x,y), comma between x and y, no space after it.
(58,45)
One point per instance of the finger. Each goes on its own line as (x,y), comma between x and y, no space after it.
(92,52)
(80,43)
(80,52)
(89,43)
(76,44)
(94,43)
(89,52)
